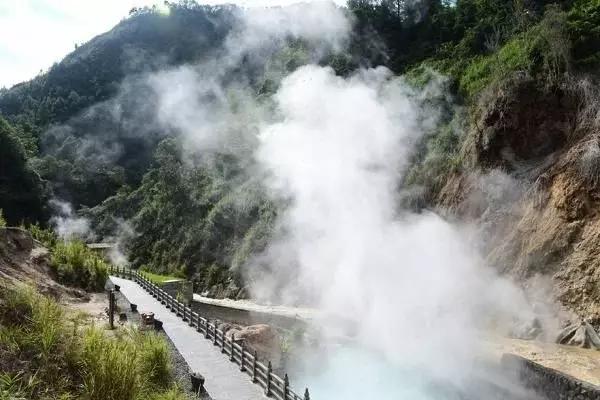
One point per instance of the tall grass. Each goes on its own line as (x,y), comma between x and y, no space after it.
(42,356)
(46,236)
(110,368)
(36,358)
(75,264)
(154,361)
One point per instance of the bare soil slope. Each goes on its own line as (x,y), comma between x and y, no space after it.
(24,260)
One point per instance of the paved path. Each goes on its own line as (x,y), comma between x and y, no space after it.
(224,380)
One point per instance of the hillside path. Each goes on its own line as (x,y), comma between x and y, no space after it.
(224,380)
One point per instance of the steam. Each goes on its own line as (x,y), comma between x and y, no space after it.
(66,223)
(414,287)
(124,232)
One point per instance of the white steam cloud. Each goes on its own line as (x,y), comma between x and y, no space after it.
(66,223)
(413,285)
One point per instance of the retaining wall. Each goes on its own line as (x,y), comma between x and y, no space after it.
(549,383)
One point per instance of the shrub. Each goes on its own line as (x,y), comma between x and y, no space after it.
(543,50)
(2,220)
(75,264)
(45,236)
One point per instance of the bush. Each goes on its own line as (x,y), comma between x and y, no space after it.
(543,50)
(2,220)
(45,236)
(74,264)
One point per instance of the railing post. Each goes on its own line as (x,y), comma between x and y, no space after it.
(286,386)
(254,362)
(232,344)
(268,385)
(306,394)
(206,336)
(215,334)
(242,358)
(111,309)
(223,343)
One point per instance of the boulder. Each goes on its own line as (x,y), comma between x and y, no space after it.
(261,338)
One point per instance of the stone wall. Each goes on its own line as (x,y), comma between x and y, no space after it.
(549,383)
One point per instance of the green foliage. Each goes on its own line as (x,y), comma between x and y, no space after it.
(43,357)
(110,367)
(512,57)
(22,193)
(2,220)
(37,360)
(584,32)
(46,236)
(75,264)
(131,367)
(541,51)
(154,361)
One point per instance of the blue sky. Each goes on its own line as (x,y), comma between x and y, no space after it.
(36,33)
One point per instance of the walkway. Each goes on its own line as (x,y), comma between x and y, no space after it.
(224,381)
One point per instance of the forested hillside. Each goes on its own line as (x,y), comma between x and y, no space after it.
(515,86)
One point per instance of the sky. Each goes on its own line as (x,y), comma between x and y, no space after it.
(36,33)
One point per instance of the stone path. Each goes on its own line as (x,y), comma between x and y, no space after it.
(224,380)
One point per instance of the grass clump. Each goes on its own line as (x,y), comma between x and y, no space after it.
(74,264)
(36,357)
(43,356)
(132,366)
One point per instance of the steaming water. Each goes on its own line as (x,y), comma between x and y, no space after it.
(353,373)
(358,374)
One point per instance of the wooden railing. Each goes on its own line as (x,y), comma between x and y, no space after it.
(261,374)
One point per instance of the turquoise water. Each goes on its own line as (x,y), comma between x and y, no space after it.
(355,374)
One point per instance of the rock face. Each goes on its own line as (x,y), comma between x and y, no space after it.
(542,217)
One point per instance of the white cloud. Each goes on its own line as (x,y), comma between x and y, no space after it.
(36,33)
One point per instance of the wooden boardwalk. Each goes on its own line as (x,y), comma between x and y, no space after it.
(224,380)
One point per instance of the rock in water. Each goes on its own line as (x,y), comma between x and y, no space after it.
(581,335)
